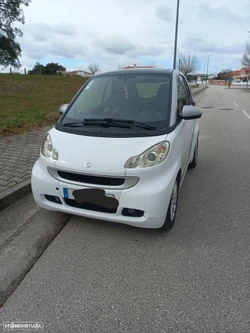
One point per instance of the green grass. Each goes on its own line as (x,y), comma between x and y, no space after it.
(32,101)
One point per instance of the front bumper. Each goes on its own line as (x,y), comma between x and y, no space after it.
(150,197)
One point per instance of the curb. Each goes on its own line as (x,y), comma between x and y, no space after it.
(20,252)
(14,194)
(199,91)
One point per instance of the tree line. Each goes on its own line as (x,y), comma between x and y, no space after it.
(53,68)
(49,69)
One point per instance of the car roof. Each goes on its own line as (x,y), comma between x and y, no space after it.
(137,71)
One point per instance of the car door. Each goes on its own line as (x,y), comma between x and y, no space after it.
(187,126)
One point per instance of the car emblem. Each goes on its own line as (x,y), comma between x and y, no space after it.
(87,164)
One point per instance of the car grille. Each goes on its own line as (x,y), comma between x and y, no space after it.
(89,206)
(97,180)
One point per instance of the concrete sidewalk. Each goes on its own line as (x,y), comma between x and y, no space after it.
(18,154)
(201,87)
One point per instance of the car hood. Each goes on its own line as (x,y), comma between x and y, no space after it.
(106,155)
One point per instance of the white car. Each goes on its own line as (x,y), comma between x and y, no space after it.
(121,149)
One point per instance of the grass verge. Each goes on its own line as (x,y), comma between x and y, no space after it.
(28,102)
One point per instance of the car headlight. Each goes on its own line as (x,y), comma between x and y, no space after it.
(47,148)
(151,157)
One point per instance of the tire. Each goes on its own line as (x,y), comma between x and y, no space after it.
(172,208)
(194,162)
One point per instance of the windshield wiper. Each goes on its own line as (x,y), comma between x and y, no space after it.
(74,124)
(100,122)
(107,122)
(116,121)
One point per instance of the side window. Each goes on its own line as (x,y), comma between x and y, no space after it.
(183,94)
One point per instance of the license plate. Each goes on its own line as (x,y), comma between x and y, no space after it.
(92,196)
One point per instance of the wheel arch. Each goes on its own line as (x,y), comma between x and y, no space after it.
(194,140)
(179,177)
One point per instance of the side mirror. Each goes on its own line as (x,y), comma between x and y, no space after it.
(190,112)
(63,108)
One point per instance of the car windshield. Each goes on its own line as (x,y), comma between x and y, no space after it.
(141,98)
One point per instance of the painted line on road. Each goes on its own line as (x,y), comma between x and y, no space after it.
(246,114)
(233,100)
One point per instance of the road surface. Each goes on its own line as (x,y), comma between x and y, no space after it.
(102,277)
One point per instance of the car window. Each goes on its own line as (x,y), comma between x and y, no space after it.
(92,95)
(142,98)
(148,90)
(183,94)
(108,90)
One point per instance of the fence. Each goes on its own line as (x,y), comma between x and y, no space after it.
(217,82)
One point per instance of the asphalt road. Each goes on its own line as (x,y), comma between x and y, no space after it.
(102,277)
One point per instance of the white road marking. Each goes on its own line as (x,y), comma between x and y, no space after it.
(246,114)
(233,100)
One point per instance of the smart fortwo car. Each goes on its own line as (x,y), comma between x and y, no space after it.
(121,149)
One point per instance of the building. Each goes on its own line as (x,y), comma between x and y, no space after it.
(135,66)
(244,72)
(241,74)
(236,75)
(73,73)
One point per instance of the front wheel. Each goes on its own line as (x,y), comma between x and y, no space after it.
(172,208)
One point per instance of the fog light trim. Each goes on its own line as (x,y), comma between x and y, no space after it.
(131,212)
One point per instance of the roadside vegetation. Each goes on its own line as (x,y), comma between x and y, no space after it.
(28,102)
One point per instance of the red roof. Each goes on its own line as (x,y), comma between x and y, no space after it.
(128,67)
(235,73)
(246,69)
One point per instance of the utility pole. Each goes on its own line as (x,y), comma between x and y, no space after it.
(248,78)
(208,66)
(204,72)
(176,33)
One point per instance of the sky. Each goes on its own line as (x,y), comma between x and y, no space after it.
(115,33)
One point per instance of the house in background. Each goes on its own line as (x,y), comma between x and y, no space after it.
(235,75)
(241,75)
(135,66)
(73,73)
(244,73)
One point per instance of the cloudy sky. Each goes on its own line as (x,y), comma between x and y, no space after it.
(113,33)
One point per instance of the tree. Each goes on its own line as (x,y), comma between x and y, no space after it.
(246,56)
(52,68)
(224,74)
(93,68)
(37,69)
(191,77)
(188,64)
(49,69)
(10,12)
